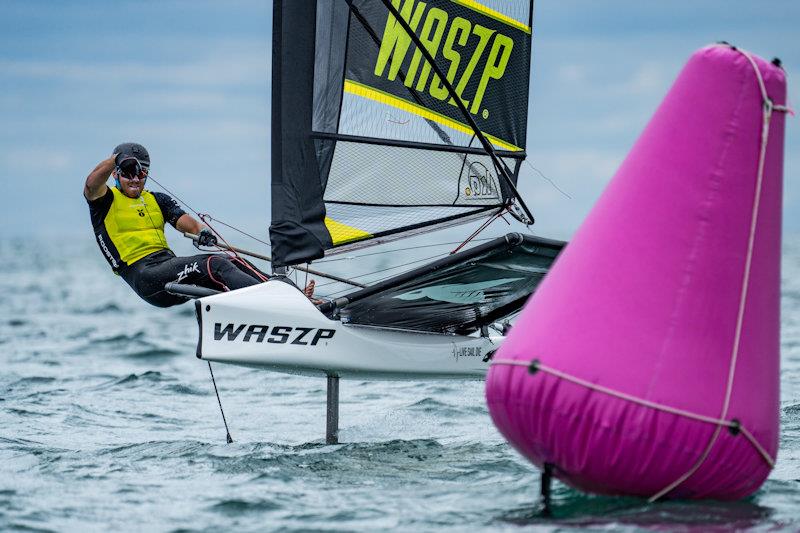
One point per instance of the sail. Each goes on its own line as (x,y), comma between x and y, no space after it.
(368,142)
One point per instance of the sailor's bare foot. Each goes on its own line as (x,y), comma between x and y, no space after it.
(309,292)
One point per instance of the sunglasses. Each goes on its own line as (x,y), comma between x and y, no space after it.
(131,169)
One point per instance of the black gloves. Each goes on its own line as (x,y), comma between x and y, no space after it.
(206,238)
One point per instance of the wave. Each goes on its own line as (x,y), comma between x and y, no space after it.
(104,309)
(157,449)
(153,353)
(236,507)
(138,336)
(791,409)
(187,389)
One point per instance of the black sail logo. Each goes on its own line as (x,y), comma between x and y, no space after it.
(480,183)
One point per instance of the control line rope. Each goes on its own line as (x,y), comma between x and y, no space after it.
(230,249)
(178,198)
(734,426)
(394,250)
(205,217)
(228,437)
(372,273)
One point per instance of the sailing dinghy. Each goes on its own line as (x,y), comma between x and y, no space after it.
(390,119)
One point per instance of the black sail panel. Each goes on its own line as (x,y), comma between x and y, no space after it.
(371,144)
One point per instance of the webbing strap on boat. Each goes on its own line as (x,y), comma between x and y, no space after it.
(733,425)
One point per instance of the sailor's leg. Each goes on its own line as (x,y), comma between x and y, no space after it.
(249,268)
(148,280)
(215,271)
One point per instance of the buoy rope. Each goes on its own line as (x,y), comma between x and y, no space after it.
(735,426)
(767,108)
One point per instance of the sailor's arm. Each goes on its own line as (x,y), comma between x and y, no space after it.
(187,224)
(95,186)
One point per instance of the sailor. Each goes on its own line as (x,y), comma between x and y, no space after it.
(128,222)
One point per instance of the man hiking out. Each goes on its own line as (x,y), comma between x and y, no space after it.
(128,222)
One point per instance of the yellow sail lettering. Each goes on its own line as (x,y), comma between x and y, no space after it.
(459,32)
(495,67)
(484,34)
(415,60)
(396,40)
(430,38)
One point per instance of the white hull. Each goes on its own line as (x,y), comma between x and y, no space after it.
(275,327)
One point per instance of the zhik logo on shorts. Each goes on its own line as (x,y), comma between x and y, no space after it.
(188,269)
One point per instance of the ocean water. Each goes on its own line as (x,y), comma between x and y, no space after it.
(108,421)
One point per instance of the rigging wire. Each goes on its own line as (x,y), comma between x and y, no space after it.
(234,228)
(202,216)
(377,280)
(351,257)
(150,177)
(551,182)
(482,227)
(461,244)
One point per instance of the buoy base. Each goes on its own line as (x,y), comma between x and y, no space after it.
(546,484)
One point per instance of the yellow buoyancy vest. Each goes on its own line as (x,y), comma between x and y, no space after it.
(135,226)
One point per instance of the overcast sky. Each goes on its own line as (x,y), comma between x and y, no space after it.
(190,80)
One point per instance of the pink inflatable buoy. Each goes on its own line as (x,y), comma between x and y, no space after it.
(647,362)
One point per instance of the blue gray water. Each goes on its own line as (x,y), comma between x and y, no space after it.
(107,420)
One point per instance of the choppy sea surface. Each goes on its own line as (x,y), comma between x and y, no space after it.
(108,421)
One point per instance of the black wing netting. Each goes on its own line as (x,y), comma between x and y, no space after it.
(461,293)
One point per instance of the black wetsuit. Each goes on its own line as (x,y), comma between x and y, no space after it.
(131,237)
(149,275)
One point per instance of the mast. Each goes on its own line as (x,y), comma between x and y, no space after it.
(297,232)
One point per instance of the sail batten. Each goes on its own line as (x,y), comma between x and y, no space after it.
(365,91)
(382,147)
(414,144)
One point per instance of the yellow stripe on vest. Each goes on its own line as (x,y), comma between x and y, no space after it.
(135,226)
(343,234)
